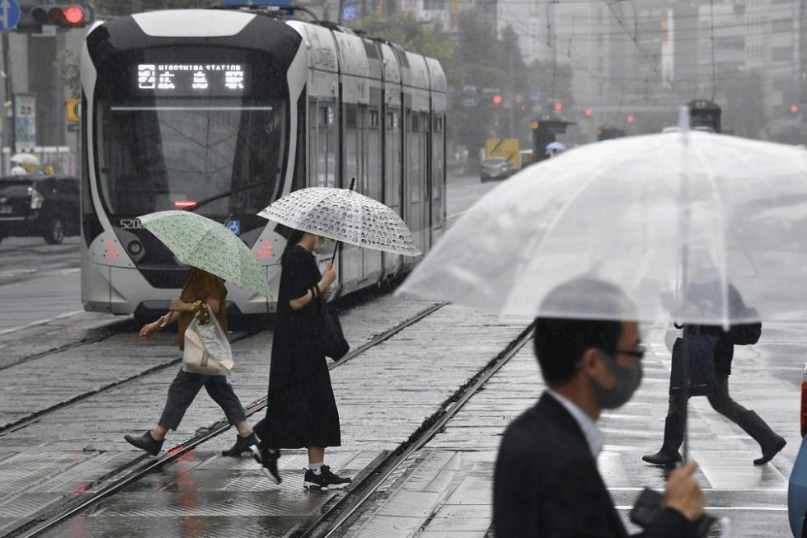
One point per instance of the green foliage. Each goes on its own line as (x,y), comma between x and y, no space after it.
(68,65)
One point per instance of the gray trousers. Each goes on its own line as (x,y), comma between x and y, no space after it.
(720,400)
(186,386)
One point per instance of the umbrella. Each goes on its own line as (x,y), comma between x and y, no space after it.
(651,214)
(343,215)
(206,244)
(555,147)
(26,158)
(676,220)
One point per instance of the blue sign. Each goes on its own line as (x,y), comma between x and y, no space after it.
(234,226)
(350,11)
(9,14)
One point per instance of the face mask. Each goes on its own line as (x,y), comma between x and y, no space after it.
(324,246)
(627,381)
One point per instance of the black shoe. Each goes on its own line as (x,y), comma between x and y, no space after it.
(145,442)
(663,457)
(324,480)
(771,452)
(243,445)
(268,457)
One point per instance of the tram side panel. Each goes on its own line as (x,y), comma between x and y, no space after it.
(437,172)
(392,145)
(416,148)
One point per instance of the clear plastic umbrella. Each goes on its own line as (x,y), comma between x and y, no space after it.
(343,215)
(26,158)
(204,243)
(652,214)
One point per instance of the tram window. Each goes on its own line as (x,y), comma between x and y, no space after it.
(373,118)
(351,116)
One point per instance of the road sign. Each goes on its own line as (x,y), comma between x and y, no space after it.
(9,14)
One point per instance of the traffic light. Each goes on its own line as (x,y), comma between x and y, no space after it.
(33,18)
(588,112)
(73,109)
(558,106)
(498,99)
(794,109)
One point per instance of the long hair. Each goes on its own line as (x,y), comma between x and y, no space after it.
(198,283)
(293,239)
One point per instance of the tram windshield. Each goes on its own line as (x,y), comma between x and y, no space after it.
(185,130)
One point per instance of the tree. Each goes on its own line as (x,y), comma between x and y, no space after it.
(68,65)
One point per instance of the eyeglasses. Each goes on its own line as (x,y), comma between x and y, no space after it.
(637,353)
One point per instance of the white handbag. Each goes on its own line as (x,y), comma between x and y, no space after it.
(207,350)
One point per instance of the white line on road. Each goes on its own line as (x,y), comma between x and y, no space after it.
(42,322)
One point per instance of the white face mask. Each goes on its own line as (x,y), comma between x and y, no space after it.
(324,245)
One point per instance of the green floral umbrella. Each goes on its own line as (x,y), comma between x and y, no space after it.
(206,244)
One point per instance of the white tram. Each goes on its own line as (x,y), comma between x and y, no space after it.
(222,111)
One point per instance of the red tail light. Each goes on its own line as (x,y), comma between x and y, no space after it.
(184,204)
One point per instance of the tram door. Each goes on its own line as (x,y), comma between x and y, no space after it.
(351,260)
(415,168)
(371,183)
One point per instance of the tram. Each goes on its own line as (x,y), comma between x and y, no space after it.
(221,111)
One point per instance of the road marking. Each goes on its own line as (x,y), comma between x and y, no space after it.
(42,322)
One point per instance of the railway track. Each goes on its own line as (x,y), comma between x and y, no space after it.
(343,505)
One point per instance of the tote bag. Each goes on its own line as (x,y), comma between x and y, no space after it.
(328,335)
(207,350)
(702,372)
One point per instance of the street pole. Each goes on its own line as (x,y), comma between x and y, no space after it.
(8,120)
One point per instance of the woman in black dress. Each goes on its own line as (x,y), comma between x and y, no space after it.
(301,409)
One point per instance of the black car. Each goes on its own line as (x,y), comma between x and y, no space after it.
(46,206)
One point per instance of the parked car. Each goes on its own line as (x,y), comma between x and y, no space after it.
(797,485)
(494,168)
(47,206)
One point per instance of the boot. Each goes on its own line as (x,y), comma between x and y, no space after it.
(145,442)
(673,437)
(768,440)
(243,445)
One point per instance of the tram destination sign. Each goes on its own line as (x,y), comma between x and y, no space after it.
(190,79)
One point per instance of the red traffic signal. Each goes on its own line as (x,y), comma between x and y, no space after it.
(63,16)
(589,112)
(498,99)
(558,106)
(630,118)
(794,108)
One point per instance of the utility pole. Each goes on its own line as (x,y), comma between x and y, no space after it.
(8,120)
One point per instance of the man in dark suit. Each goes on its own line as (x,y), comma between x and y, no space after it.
(546,481)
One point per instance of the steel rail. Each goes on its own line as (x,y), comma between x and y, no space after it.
(116,480)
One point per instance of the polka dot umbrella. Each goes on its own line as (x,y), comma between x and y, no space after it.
(343,215)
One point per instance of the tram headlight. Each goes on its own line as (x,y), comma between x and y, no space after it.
(135,248)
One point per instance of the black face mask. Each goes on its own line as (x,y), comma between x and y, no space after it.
(627,381)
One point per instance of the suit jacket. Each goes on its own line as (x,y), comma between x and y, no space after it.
(546,483)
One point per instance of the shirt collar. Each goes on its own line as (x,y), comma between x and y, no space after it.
(594,436)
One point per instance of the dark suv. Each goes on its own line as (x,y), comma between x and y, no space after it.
(46,206)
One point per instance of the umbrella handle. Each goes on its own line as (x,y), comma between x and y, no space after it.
(339,243)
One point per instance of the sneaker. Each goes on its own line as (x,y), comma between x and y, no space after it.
(324,480)
(243,445)
(268,457)
(145,442)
